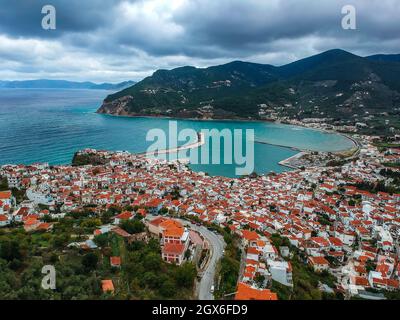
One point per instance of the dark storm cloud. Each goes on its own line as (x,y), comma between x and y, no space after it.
(23,17)
(120,39)
(254,26)
(236,23)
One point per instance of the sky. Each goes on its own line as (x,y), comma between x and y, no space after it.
(118,40)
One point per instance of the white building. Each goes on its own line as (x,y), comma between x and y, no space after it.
(281,271)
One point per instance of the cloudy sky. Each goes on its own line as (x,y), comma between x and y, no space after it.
(116,40)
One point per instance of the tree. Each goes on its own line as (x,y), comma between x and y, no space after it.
(9,249)
(168,288)
(188,253)
(101,240)
(132,226)
(151,279)
(60,240)
(3,184)
(129,208)
(229,274)
(135,245)
(139,217)
(259,279)
(370,265)
(91,223)
(152,261)
(47,218)
(279,241)
(314,233)
(89,261)
(185,275)
(106,217)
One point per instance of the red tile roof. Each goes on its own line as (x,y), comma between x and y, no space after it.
(157,221)
(250,235)
(172,228)
(318,261)
(246,292)
(107,286)
(124,215)
(121,232)
(5,195)
(361,281)
(115,261)
(173,248)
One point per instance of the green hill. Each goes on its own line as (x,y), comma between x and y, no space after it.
(334,84)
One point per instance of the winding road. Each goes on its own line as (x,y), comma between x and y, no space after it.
(217,245)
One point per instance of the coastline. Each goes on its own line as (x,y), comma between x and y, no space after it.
(356,144)
(288,162)
(182,118)
(301,152)
(285,162)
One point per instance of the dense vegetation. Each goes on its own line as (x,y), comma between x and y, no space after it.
(85,159)
(3,184)
(229,266)
(380,186)
(143,275)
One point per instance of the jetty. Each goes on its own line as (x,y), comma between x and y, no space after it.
(200,141)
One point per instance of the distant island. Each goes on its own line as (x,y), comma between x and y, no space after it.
(63,84)
(336,86)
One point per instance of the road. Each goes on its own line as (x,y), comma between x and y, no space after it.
(217,245)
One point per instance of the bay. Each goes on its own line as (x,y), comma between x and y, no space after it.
(42,125)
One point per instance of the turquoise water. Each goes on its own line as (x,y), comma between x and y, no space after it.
(50,125)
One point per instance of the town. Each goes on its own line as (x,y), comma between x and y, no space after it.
(312,233)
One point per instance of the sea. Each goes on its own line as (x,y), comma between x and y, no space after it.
(50,125)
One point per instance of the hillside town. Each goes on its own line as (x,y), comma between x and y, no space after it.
(335,219)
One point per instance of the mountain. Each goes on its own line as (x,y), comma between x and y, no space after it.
(385,57)
(63,84)
(323,60)
(334,84)
(113,86)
